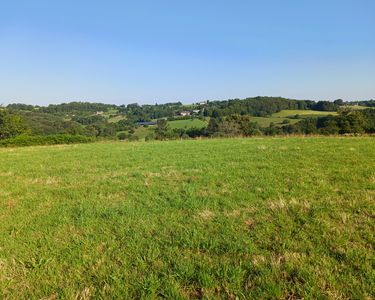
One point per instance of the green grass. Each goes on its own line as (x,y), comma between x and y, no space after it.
(266,121)
(116,119)
(359,107)
(279,117)
(249,218)
(292,112)
(112,111)
(141,132)
(190,123)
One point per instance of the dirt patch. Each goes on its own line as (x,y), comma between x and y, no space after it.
(10,204)
(249,223)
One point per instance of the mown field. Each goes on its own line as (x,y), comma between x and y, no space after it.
(189,123)
(266,121)
(284,218)
(306,112)
(279,117)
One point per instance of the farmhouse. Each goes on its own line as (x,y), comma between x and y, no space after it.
(185,113)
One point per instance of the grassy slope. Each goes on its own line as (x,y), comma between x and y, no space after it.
(265,122)
(254,218)
(291,112)
(197,123)
(279,117)
(358,107)
(116,119)
(141,132)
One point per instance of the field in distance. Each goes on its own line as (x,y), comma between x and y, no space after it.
(189,123)
(248,218)
(300,112)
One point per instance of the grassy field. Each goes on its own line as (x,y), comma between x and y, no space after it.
(358,107)
(266,121)
(252,218)
(116,119)
(190,123)
(279,117)
(292,112)
(141,132)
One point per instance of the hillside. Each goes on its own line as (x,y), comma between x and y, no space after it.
(234,117)
(247,218)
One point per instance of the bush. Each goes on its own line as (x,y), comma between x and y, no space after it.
(133,138)
(150,137)
(122,136)
(33,140)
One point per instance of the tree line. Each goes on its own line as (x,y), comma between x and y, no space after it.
(226,118)
(256,106)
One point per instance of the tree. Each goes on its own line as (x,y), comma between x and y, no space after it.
(215,114)
(325,106)
(369,114)
(11,125)
(212,126)
(122,136)
(339,102)
(308,126)
(330,127)
(161,131)
(272,129)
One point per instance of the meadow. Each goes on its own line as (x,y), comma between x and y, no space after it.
(290,116)
(188,123)
(302,112)
(284,218)
(266,121)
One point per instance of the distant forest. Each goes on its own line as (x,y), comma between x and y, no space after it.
(233,117)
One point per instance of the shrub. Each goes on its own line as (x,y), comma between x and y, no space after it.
(33,140)
(133,138)
(122,136)
(150,137)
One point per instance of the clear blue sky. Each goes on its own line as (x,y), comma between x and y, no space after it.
(149,51)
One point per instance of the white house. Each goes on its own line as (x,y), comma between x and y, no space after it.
(185,113)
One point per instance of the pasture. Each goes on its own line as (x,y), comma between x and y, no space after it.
(302,112)
(189,123)
(238,218)
(266,121)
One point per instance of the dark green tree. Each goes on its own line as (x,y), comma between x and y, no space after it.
(11,125)
(161,131)
(212,127)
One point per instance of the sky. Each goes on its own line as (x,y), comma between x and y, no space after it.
(157,51)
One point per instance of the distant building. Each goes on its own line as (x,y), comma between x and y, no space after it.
(146,123)
(196,111)
(185,113)
(99,113)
